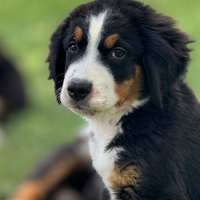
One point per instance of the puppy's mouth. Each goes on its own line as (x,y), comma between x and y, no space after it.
(81,108)
(84,108)
(89,106)
(82,111)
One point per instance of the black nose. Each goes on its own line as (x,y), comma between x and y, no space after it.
(78,90)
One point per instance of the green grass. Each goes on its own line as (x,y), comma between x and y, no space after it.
(25,29)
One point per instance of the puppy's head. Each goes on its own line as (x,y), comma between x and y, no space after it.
(111,53)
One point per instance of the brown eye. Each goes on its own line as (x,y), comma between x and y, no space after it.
(118,53)
(73,47)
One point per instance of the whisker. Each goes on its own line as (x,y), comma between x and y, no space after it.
(60,75)
(58,96)
(58,93)
(59,89)
(59,82)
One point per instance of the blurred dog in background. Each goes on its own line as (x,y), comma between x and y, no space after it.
(65,174)
(12,91)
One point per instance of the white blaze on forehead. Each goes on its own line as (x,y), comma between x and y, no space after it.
(95,31)
(90,67)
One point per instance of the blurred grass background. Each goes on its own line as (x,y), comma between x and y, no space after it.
(25,29)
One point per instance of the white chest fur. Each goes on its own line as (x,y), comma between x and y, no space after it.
(104,130)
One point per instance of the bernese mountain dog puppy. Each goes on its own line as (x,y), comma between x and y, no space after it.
(121,65)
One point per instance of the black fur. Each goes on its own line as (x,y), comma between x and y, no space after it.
(165,145)
(162,138)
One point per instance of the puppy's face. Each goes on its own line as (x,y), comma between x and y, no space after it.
(113,53)
(102,70)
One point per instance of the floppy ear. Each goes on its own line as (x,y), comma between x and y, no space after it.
(57,57)
(166,54)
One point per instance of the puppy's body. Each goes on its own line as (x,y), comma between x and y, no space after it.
(121,65)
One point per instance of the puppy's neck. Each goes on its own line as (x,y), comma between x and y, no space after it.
(108,122)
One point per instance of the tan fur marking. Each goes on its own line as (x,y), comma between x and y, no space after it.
(124,176)
(78,34)
(38,189)
(129,90)
(111,40)
(30,191)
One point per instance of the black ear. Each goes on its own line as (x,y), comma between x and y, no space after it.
(57,57)
(166,54)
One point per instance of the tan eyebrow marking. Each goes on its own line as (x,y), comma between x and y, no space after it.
(111,40)
(78,34)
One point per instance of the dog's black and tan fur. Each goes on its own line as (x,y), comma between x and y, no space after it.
(122,65)
(65,174)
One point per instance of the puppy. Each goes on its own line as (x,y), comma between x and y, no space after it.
(121,65)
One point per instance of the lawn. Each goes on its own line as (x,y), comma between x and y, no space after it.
(25,29)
